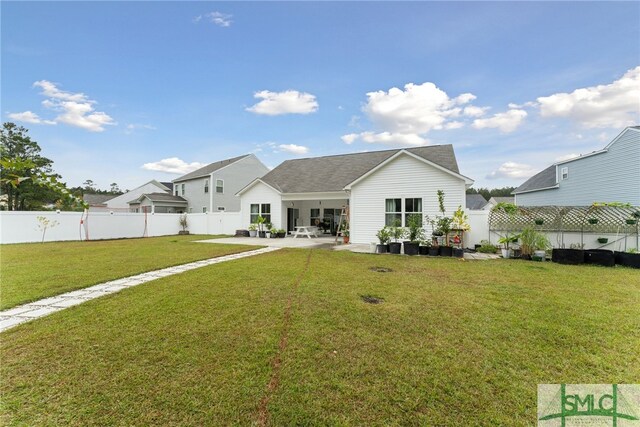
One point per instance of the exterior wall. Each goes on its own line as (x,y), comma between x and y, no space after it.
(261,193)
(403,177)
(194,194)
(305,207)
(612,176)
(120,202)
(235,176)
(22,226)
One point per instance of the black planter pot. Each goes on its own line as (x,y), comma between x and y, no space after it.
(446,251)
(282,234)
(601,257)
(568,256)
(382,249)
(262,234)
(434,251)
(458,253)
(395,247)
(424,250)
(411,248)
(627,259)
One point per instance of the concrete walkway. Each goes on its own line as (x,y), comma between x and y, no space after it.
(34,310)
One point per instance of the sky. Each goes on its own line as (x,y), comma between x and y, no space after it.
(125,92)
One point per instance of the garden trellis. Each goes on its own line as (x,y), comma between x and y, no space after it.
(568,219)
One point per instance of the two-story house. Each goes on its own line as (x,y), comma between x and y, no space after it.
(608,175)
(214,187)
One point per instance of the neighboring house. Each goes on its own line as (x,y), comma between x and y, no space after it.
(121,202)
(495,200)
(214,187)
(158,203)
(379,187)
(97,202)
(476,202)
(608,175)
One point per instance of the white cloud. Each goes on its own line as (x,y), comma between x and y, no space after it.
(567,157)
(75,109)
(29,117)
(173,165)
(218,18)
(506,122)
(131,127)
(473,111)
(386,138)
(613,105)
(294,149)
(512,170)
(417,109)
(287,102)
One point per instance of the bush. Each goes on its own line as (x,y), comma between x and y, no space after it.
(487,248)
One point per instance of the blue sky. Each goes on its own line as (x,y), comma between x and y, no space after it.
(126,91)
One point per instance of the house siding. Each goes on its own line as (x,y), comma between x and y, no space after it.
(261,193)
(121,201)
(194,194)
(403,177)
(235,177)
(611,176)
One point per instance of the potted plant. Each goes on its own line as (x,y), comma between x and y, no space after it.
(281,233)
(602,240)
(345,233)
(574,255)
(538,221)
(184,224)
(630,258)
(506,240)
(253,230)
(415,234)
(384,236)
(268,229)
(631,221)
(444,227)
(531,241)
(261,221)
(397,233)
(425,245)
(592,221)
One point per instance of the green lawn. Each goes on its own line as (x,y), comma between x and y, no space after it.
(284,339)
(38,270)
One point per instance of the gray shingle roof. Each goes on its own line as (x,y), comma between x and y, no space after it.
(97,199)
(544,179)
(160,197)
(333,173)
(503,199)
(475,201)
(212,167)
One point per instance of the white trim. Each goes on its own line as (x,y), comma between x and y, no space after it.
(467,180)
(326,195)
(216,187)
(254,182)
(217,170)
(537,189)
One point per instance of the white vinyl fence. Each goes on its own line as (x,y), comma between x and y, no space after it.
(24,227)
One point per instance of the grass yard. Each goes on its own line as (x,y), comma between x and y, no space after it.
(39,270)
(286,339)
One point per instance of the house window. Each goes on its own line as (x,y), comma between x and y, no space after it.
(204,209)
(315,215)
(206,185)
(412,207)
(182,188)
(564,172)
(176,191)
(190,210)
(219,186)
(393,211)
(263,210)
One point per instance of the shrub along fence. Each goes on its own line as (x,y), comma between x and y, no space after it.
(597,226)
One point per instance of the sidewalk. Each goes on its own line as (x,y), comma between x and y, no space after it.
(37,309)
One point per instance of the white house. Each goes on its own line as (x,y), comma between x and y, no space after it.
(379,187)
(121,202)
(214,187)
(608,175)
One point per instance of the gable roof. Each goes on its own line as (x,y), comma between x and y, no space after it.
(334,173)
(210,168)
(96,199)
(475,201)
(502,199)
(169,186)
(160,197)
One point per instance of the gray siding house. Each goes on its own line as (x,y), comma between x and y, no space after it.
(608,175)
(213,187)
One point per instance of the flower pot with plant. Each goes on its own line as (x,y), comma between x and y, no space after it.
(253,230)
(184,224)
(261,221)
(384,236)
(506,241)
(415,234)
(602,240)
(592,221)
(397,233)
(531,241)
(538,221)
(281,233)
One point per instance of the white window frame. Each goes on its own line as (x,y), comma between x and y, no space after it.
(204,209)
(393,212)
(220,186)
(261,212)
(206,186)
(403,209)
(405,213)
(564,173)
(182,189)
